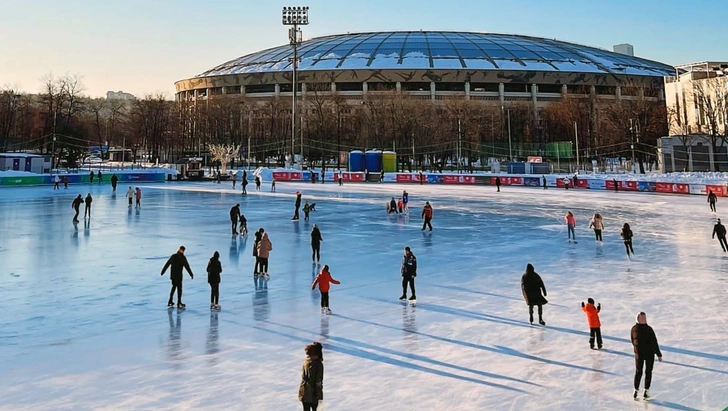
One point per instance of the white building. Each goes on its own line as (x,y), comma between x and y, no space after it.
(625,48)
(696,98)
(119,95)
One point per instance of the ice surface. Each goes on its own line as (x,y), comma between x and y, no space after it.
(84,324)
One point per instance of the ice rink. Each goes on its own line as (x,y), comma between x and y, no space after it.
(84,323)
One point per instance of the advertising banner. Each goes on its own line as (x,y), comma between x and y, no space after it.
(434,178)
(296,175)
(646,186)
(405,178)
(698,189)
(597,184)
(582,183)
(532,181)
(719,191)
(672,188)
(458,179)
(629,185)
(282,175)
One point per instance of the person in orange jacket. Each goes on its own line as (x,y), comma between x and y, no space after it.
(324,280)
(592,317)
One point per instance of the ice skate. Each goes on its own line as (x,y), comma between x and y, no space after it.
(634,395)
(327,310)
(218,307)
(412,300)
(403,298)
(181,306)
(646,395)
(170,304)
(542,322)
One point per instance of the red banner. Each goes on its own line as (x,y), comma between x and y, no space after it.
(356,177)
(516,181)
(282,176)
(719,191)
(629,185)
(582,183)
(560,183)
(296,175)
(672,188)
(404,178)
(450,179)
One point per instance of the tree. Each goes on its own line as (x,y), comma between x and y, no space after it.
(710,97)
(9,109)
(224,153)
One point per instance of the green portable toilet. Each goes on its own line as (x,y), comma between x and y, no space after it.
(389,161)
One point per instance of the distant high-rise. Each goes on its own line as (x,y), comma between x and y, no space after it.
(626,49)
(119,95)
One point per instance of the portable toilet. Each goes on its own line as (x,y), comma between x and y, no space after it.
(356,161)
(373,160)
(389,161)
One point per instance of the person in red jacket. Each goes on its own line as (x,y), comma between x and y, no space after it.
(427,216)
(324,280)
(592,317)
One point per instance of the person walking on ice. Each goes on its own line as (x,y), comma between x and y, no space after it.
(409,272)
(76,205)
(130,195)
(56,182)
(427,216)
(234,177)
(311,389)
(177,262)
(99,176)
(264,249)
(646,347)
(298,206)
(324,279)
(214,269)
(498,183)
(234,216)
(91,178)
(244,182)
(273,185)
(87,209)
(531,287)
(306,211)
(570,225)
(627,238)
(543,178)
(720,231)
(712,198)
(114,181)
(597,223)
(257,183)
(405,201)
(316,240)
(138,196)
(592,318)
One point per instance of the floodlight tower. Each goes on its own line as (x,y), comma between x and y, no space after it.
(294,17)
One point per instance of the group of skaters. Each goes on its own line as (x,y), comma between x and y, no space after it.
(131,194)
(401,206)
(244,182)
(597,224)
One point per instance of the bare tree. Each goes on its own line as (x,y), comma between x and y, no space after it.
(224,153)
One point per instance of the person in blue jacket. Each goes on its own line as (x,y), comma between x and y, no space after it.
(405,200)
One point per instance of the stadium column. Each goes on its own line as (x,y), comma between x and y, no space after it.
(502,94)
(432,90)
(467,90)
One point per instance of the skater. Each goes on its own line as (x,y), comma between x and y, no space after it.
(719,230)
(234,177)
(497,183)
(214,269)
(298,205)
(616,185)
(576,181)
(592,318)
(422,178)
(570,225)
(405,201)
(324,281)
(597,223)
(65,183)
(427,216)
(98,175)
(400,206)
(645,348)
(114,181)
(392,206)
(566,182)
(409,272)
(56,182)
(218,177)
(306,211)
(76,205)
(627,238)
(531,287)
(341,181)
(712,198)
(381,176)
(543,178)
(316,240)
(311,390)
(138,196)
(257,183)
(323,174)
(87,209)
(91,178)
(177,261)
(273,185)
(312,206)
(258,237)
(130,195)
(264,249)
(243,225)
(244,182)
(234,216)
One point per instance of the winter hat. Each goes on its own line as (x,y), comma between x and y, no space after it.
(590,300)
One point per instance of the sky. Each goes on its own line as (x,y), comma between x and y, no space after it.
(144,46)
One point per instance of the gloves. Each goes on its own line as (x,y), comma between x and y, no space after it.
(599,305)
(192,276)
(582,304)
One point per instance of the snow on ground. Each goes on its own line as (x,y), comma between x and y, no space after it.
(85,326)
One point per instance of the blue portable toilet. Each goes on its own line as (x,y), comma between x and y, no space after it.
(356,161)
(373,160)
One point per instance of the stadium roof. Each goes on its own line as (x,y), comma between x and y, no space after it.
(433,50)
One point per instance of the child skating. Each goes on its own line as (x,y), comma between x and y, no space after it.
(243,225)
(306,211)
(214,269)
(592,317)
(324,281)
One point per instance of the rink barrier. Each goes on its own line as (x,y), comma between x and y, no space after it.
(47,179)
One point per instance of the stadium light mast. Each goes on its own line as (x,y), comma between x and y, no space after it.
(294,17)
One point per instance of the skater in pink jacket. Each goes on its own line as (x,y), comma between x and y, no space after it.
(570,224)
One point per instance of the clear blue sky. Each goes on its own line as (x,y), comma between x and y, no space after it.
(143,46)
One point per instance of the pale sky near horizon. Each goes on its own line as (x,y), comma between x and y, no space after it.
(143,47)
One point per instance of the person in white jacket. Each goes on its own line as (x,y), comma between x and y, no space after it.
(130,195)
(597,223)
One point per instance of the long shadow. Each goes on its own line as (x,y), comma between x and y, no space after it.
(414,357)
(355,352)
(481,347)
(695,367)
(672,405)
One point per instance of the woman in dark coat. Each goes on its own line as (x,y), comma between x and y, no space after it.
(214,268)
(531,286)
(311,390)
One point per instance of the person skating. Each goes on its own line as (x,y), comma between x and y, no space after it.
(98,175)
(627,235)
(408,272)
(273,185)
(76,205)
(114,182)
(298,205)
(566,182)
(592,318)
(646,347)
(138,196)
(324,279)
(130,195)
(570,225)
(616,185)
(323,174)
(87,209)
(214,269)
(243,225)
(392,206)
(306,211)
(405,201)
(316,240)
(576,181)
(234,177)
(177,262)
(427,216)
(381,176)
(720,231)
(91,177)
(264,249)
(712,198)
(244,182)
(218,177)
(531,287)
(543,178)
(597,223)
(311,389)
(258,237)
(422,178)
(498,183)
(341,180)
(257,183)
(65,183)
(234,216)
(400,206)
(56,182)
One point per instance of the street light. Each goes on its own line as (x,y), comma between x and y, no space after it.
(294,17)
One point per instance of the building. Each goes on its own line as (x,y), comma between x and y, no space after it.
(695,97)
(625,48)
(32,163)
(119,95)
(695,152)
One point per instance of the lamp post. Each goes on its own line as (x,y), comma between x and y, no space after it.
(294,17)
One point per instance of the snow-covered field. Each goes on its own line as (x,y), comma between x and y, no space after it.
(84,324)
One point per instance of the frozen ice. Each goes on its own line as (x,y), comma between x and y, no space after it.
(85,325)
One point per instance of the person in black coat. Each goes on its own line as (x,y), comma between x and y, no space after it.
(646,347)
(531,287)
(234,216)
(497,183)
(298,205)
(316,243)
(114,181)
(627,238)
(177,261)
(712,198)
(719,230)
(409,272)
(76,205)
(87,209)
(244,182)
(258,237)
(214,268)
